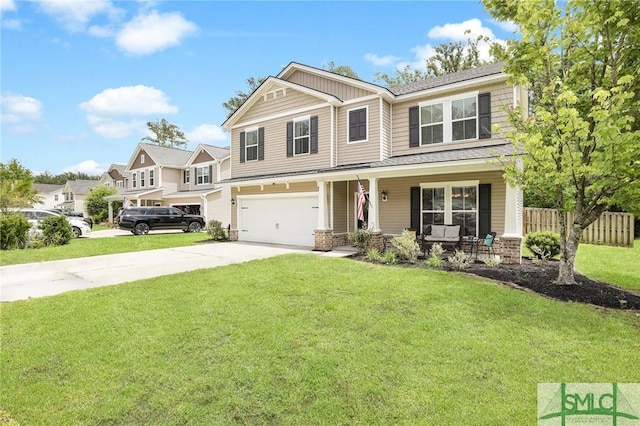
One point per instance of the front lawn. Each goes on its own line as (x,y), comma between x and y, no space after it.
(616,265)
(83,247)
(302,339)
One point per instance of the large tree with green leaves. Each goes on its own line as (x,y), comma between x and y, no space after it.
(581,139)
(96,204)
(165,134)
(344,70)
(16,186)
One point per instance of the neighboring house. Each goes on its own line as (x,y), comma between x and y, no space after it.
(73,194)
(115,177)
(425,153)
(50,195)
(164,176)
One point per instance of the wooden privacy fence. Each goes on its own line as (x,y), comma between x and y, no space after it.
(612,229)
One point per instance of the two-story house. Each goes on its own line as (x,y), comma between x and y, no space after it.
(50,195)
(114,177)
(425,153)
(164,176)
(74,193)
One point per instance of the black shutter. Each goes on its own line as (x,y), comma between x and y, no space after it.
(242,147)
(484,209)
(414,127)
(313,134)
(415,209)
(290,139)
(261,143)
(484,115)
(358,125)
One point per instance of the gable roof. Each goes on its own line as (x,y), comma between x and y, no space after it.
(46,188)
(81,186)
(218,153)
(161,155)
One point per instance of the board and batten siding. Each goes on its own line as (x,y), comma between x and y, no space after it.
(386,130)
(333,87)
(279,188)
(395,213)
(137,162)
(501,98)
(203,157)
(275,148)
(279,102)
(359,151)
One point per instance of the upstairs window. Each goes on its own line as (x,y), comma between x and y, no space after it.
(432,124)
(251,145)
(358,125)
(134,180)
(141,179)
(151,178)
(186,177)
(203,175)
(463,119)
(301,137)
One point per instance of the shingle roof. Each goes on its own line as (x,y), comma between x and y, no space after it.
(82,186)
(218,152)
(167,156)
(46,188)
(444,80)
(119,167)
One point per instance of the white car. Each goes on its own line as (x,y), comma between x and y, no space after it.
(78,226)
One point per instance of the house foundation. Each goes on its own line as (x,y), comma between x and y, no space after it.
(323,239)
(233,235)
(511,250)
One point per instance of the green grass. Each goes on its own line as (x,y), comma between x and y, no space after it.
(83,247)
(302,339)
(615,265)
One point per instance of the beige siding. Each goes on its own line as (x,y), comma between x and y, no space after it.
(338,89)
(395,214)
(501,97)
(340,209)
(219,206)
(311,186)
(137,162)
(386,130)
(170,179)
(225,169)
(203,157)
(361,151)
(280,103)
(275,148)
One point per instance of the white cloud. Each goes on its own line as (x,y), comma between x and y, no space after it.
(457,32)
(11,24)
(112,128)
(207,133)
(147,34)
(7,5)
(380,60)
(89,167)
(103,31)
(19,108)
(74,15)
(129,100)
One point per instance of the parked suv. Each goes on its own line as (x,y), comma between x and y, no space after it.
(34,216)
(141,220)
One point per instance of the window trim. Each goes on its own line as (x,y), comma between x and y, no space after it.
(306,118)
(246,146)
(134,180)
(209,170)
(186,176)
(142,158)
(141,178)
(366,138)
(447,120)
(152,177)
(448,208)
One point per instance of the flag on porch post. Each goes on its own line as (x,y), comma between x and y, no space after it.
(362,200)
(126,203)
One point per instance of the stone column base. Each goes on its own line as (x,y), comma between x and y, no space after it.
(377,241)
(233,235)
(510,250)
(323,239)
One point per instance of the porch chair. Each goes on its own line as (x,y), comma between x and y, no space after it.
(488,242)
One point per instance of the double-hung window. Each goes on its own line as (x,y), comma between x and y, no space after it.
(142,179)
(134,180)
(151,178)
(186,176)
(453,203)
(301,136)
(251,145)
(203,175)
(453,119)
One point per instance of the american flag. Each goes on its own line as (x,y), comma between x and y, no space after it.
(362,200)
(126,203)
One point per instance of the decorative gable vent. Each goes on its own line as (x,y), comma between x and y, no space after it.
(274,92)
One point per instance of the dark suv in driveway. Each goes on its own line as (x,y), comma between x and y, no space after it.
(141,220)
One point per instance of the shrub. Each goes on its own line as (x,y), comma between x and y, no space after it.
(373,254)
(492,261)
(435,256)
(543,244)
(388,258)
(406,246)
(14,231)
(215,230)
(56,231)
(360,239)
(459,260)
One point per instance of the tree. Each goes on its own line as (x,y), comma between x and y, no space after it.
(96,204)
(166,134)
(62,178)
(581,140)
(405,76)
(236,101)
(16,186)
(344,70)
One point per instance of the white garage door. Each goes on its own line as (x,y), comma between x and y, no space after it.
(278,219)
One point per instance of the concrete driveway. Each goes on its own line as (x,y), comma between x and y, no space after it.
(18,282)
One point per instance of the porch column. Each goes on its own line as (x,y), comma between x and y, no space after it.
(110,209)
(374,210)
(510,245)
(322,205)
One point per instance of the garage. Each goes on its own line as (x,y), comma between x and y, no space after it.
(278,219)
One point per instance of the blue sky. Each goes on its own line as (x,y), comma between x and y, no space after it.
(80,78)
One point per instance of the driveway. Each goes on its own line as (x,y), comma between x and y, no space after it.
(18,282)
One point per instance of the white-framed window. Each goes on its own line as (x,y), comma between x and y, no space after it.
(203,175)
(134,179)
(187,176)
(251,145)
(151,177)
(55,197)
(119,184)
(142,179)
(357,125)
(301,136)
(450,119)
(450,203)
(142,158)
